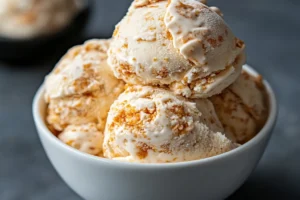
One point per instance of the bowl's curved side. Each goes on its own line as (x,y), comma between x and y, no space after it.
(98,178)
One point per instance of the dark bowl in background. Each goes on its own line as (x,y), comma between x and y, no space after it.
(19,50)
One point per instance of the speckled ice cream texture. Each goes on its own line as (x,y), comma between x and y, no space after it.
(182,65)
(157,43)
(153,125)
(242,108)
(86,138)
(81,87)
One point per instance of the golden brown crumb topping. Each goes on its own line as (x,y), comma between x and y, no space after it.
(143,149)
(149,17)
(116,31)
(162,73)
(143,3)
(131,117)
(239,43)
(181,126)
(126,68)
(189,11)
(169,36)
(215,42)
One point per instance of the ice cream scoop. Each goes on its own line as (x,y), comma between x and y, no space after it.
(86,138)
(81,87)
(181,44)
(30,18)
(242,108)
(153,125)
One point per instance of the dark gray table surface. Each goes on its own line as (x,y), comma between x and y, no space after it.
(271,30)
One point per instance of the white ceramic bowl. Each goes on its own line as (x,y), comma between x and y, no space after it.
(95,178)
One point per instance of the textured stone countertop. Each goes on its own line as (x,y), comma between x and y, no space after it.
(271,30)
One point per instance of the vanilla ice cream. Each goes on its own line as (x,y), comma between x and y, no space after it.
(85,138)
(81,87)
(30,18)
(181,44)
(152,125)
(186,96)
(242,108)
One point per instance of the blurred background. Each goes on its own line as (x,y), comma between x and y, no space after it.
(270,29)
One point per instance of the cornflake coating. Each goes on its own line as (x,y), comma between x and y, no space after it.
(175,44)
(31,18)
(152,125)
(86,138)
(81,87)
(242,108)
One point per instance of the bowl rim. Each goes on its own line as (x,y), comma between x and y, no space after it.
(266,130)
